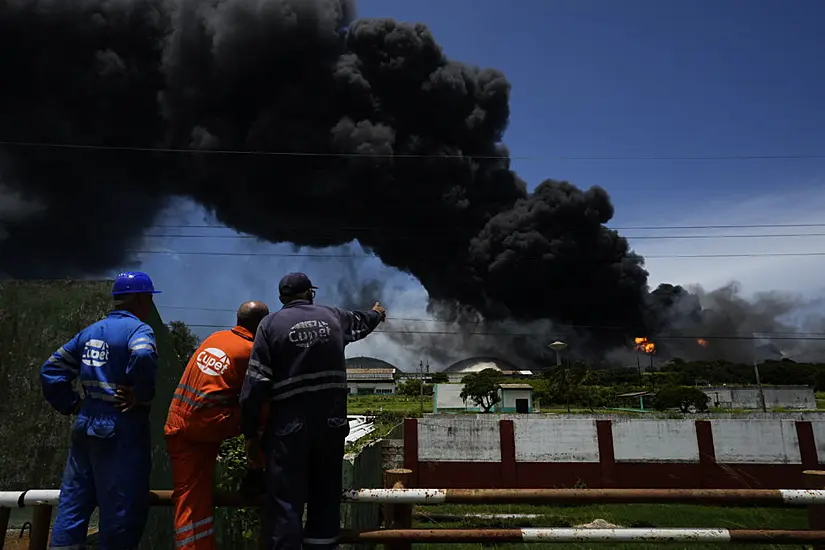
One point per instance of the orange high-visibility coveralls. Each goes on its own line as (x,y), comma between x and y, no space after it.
(203,413)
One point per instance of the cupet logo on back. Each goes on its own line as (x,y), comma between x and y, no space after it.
(213,361)
(95,353)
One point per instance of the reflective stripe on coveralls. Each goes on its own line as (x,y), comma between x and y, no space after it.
(203,413)
(194,532)
(109,458)
(305,383)
(209,399)
(298,367)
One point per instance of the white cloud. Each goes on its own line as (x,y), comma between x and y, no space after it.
(797,274)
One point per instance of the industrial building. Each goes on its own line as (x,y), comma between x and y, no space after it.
(460,369)
(367,375)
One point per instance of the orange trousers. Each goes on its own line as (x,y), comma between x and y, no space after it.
(193,444)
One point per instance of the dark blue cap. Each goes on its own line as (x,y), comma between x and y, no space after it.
(294,283)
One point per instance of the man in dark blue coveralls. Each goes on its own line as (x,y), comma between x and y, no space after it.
(109,459)
(297,364)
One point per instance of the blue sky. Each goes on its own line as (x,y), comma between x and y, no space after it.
(597,78)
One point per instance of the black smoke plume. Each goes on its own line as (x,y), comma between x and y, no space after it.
(362,130)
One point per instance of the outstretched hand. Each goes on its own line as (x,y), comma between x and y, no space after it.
(377,307)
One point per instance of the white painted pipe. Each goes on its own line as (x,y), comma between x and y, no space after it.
(646,534)
(789,497)
(398,496)
(41,496)
(10,499)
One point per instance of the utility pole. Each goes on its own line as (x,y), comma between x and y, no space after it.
(759,385)
(757,337)
(639,368)
(421,389)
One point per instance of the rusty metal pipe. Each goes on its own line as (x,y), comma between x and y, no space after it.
(568,535)
(737,497)
(41,526)
(5,514)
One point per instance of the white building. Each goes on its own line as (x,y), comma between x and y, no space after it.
(367,375)
(513,398)
(447,399)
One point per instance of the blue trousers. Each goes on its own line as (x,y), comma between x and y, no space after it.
(109,471)
(304,468)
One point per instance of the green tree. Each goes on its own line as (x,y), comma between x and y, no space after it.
(567,382)
(482,388)
(412,388)
(682,397)
(184,341)
(439,378)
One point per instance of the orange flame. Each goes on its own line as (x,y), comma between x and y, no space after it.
(702,342)
(644,345)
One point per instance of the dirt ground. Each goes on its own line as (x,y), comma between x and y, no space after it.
(15,542)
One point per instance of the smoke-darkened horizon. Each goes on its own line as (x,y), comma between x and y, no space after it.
(363,131)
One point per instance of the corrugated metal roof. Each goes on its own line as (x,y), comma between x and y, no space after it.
(358,370)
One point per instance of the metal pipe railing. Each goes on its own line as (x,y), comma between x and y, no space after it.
(779,498)
(557,535)
(398,502)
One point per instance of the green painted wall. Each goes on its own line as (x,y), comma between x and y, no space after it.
(37,317)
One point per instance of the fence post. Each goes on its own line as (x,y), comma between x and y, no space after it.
(41,523)
(398,516)
(5,514)
(815,479)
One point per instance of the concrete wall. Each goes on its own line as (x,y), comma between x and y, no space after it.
(787,397)
(770,451)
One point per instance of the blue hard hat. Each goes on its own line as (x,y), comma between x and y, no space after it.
(133,282)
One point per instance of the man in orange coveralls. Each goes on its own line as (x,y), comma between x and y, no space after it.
(203,413)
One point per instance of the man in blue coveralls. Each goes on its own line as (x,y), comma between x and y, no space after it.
(109,459)
(297,364)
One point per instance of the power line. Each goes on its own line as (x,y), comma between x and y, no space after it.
(617,228)
(422,320)
(763,335)
(536,335)
(339,256)
(170,150)
(631,237)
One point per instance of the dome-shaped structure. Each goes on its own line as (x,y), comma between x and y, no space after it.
(367,363)
(478,364)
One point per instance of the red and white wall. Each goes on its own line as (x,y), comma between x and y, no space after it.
(489,451)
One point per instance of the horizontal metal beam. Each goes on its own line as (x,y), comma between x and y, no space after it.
(740,497)
(730,497)
(567,535)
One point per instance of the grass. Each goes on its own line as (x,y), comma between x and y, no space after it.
(360,404)
(627,515)
(37,317)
